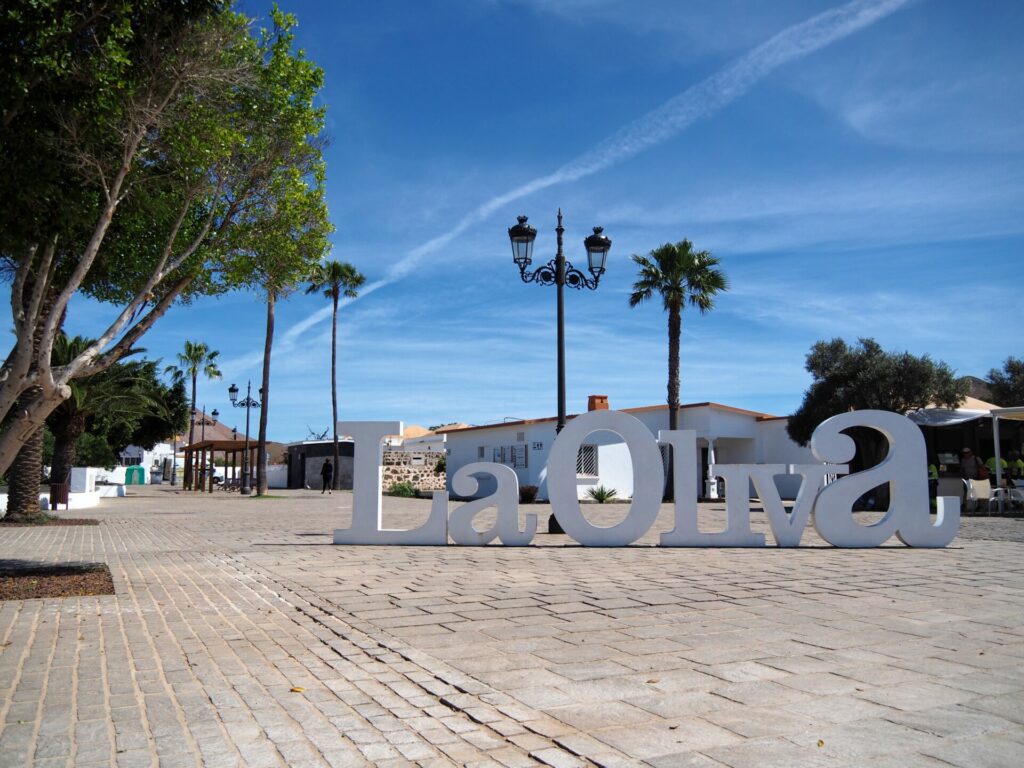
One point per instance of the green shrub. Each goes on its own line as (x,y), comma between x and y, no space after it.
(441,466)
(600,494)
(404,489)
(527,494)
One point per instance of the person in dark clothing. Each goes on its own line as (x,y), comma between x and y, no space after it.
(970,465)
(327,473)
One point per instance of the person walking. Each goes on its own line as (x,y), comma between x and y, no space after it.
(327,473)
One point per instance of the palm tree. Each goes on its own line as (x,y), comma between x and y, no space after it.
(119,393)
(196,357)
(335,279)
(680,276)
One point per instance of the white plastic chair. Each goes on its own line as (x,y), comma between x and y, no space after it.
(1011,497)
(979,491)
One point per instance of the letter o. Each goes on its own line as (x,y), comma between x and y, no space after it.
(648,479)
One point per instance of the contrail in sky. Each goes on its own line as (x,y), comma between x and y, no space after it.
(696,102)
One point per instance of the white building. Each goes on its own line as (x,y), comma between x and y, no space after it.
(135,455)
(725,435)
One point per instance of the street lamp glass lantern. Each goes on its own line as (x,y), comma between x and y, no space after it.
(597,246)
(522,236)
(215,413)
(233,393)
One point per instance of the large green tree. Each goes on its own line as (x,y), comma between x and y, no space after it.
(864,376)
(335,279)
(1007,385)
(682,277)
(154,147)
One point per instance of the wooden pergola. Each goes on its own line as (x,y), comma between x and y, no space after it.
(200,457)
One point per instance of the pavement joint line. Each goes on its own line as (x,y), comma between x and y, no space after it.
(7,701)
(139,694)
(46,683)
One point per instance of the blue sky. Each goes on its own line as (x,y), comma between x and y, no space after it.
(859,170)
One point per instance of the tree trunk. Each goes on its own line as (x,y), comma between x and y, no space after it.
(24,478)
(334,389)
(190,474)
(261,463)
(26,471)
(64,453)
(192,411)
(674,329)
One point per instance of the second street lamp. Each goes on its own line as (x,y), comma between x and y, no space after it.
(247,403)
(559,272)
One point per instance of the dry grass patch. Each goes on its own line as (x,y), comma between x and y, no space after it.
(29,582)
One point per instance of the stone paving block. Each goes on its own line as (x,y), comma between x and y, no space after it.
(914,696)
(955,722)
(679,735)
(754,722)
(556,758)
(866,739)
(670,705)
(590,717)
(990,751)
(774,753)
(684,760)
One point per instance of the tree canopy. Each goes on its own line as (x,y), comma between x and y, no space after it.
(865,376)
(152,151)
(1007,385)
(681,276)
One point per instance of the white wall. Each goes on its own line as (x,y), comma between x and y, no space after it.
(739,439)
(277,475)
(776,447)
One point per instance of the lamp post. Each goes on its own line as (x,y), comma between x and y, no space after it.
(559,272)
(204,421)
(174,457)
(247,403)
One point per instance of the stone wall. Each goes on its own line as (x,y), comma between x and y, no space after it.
(413,467)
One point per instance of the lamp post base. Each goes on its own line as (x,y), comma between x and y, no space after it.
(245,490)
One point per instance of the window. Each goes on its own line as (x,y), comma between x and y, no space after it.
(480,452)
(520,437)
(586,461)
(519,456)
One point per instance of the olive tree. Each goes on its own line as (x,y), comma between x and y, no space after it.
(192,147)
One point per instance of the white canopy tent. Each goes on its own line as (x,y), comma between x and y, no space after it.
(1016,414)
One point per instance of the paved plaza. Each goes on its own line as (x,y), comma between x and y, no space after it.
(239,635)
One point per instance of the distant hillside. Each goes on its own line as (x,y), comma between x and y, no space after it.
(978,389)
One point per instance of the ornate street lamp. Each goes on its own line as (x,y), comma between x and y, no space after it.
(174,456)
(204,421)
(559,272)
(247,403)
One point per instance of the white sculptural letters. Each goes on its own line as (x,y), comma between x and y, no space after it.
(505,499)
(828,504)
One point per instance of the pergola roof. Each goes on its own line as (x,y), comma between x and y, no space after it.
(1016,413)
(219,445)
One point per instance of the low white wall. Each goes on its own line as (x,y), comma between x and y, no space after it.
(75,500)
(114,476)
(277,476)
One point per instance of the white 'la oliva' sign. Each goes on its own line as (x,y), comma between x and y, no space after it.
(830,505)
